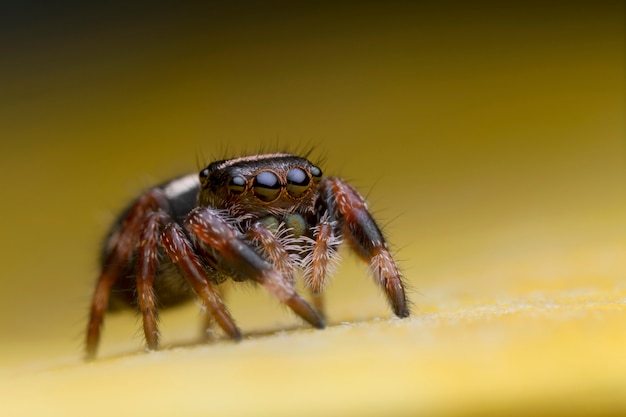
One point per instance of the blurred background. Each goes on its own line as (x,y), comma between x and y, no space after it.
(489,139)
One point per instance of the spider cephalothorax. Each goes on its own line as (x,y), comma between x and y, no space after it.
(259,218)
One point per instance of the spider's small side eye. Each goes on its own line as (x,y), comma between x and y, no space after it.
(237,185)
(204,173)
(316,173)
(297,182)
(266,186)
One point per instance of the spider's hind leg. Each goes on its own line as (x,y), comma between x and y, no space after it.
(147,263)
(120,249)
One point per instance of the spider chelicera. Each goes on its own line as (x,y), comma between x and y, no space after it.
(259,218)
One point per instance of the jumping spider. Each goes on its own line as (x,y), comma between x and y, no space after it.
(258,218)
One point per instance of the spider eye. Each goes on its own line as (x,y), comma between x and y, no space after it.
(316,173)
(297,182)
(204,173)
(237,185)
(266,186)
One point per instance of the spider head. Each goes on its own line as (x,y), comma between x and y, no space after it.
(260,184)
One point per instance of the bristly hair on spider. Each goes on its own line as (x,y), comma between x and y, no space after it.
(258,218)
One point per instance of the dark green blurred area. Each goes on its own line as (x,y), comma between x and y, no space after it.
(485,133)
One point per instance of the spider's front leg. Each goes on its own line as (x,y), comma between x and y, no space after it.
(240,261)
(346,206)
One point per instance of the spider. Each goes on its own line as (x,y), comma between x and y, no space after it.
(258,218)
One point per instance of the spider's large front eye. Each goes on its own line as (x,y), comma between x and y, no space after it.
(237,185)
(297,182)
(266,186)
(204,174)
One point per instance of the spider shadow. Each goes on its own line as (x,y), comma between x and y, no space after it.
(215,340)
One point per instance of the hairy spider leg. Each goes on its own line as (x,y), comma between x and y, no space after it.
(241,262)
(147,259)
(360,230)
(274,249)
(208,320)
(283,262)
(123,243)
(181,253)
(320,262)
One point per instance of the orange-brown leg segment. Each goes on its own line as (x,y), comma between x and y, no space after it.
(121,245)
(361,231)
(147,259)
(99,303)
(320,263)
(273,247)
(180,251)
(317,298)
(240,261)
(208,321)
